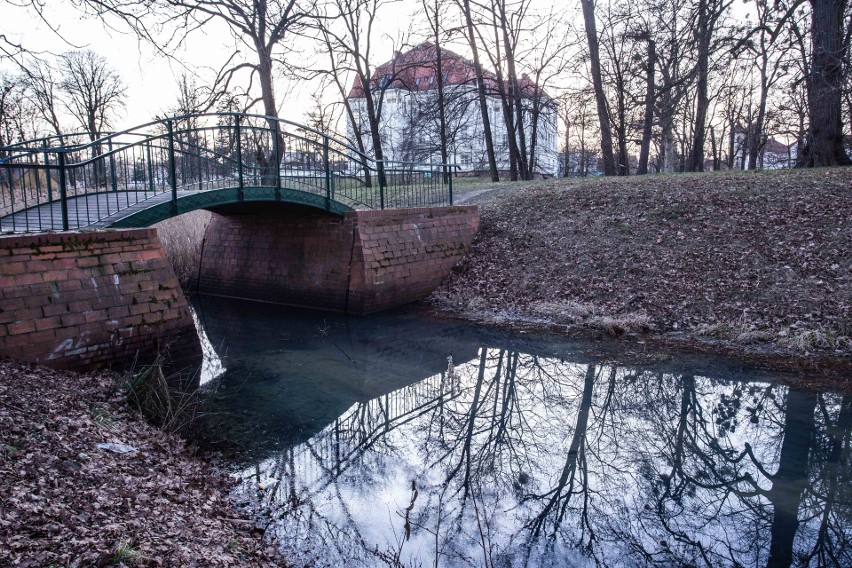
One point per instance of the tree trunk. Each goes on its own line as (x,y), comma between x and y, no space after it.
(597,82)
(732,149)
(480,87)
(824,140)
(702,100)
(269,165)
(535,114)
(442,117)
(506,102)
(359,139)
(374,119)
(623,166)
(515,93)
(668,141)
(648,122)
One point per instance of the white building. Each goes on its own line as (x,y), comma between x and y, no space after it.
(406,93)
(772,155)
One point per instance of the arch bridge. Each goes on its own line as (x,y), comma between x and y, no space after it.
(139,176)
(299,218)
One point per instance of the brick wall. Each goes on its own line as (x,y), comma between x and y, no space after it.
(401,255)
(91,299)
(295,256)
(365,262)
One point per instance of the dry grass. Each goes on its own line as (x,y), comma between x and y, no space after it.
(182,238)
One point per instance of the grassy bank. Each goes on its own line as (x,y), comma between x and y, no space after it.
(760,260)
(66,501)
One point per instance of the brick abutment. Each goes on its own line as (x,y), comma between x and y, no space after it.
(84,300)
(364,262)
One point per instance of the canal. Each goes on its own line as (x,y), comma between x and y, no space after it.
(403,440)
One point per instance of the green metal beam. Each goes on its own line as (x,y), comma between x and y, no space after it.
(227,196)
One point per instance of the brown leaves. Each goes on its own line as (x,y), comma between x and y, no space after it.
(65,501)
(764,252)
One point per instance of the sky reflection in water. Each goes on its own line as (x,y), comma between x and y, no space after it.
(373,451)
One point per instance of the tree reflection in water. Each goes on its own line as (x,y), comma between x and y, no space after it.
(514,459)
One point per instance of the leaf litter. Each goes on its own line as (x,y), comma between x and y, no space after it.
(66,502)
(746,258)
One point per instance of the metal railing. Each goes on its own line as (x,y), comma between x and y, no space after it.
(73,181)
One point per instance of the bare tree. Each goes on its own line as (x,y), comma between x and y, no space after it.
(770,61)
(259,27)
(597,84)
(94,91)
(481,91)
(675,75)
(11,89)
(347,31)
(433,12)
(708,14)
(831,35)
(43,89)
(650,94)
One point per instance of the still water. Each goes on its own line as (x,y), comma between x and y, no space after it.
(398,440)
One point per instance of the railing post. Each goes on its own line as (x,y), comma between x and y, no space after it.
(63,190)
(241,185)
(327,166)
(277,145)
(200,165)
(112,165)
(381,172)
(450,181)
(47,172)
(150,167)
(10,180)
(172,166)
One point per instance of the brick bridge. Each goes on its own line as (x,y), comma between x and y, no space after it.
(299,218)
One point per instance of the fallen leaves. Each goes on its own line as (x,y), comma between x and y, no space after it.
(65,501)
(764,255)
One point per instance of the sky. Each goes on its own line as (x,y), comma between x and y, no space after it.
(151,80)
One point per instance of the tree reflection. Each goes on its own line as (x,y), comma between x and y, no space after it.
(519,459)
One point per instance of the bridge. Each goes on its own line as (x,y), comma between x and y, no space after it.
(299,218)
(139,176)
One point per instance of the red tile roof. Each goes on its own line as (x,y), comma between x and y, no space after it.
(415,70)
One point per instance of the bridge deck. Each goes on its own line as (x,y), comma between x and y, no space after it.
(109,208)
(90,211)
(105,209)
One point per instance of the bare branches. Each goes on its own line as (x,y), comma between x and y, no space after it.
(95,92)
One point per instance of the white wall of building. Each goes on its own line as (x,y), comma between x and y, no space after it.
(410,130)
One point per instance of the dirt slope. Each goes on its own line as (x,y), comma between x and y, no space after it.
(746,257)
(64,501)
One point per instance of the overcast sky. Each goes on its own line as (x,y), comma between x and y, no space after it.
(151,79)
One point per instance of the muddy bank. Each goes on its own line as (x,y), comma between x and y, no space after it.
(146,500)
(752,264)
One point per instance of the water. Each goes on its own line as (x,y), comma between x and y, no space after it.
(368,447)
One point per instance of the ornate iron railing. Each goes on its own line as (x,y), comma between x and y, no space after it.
(73,181)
